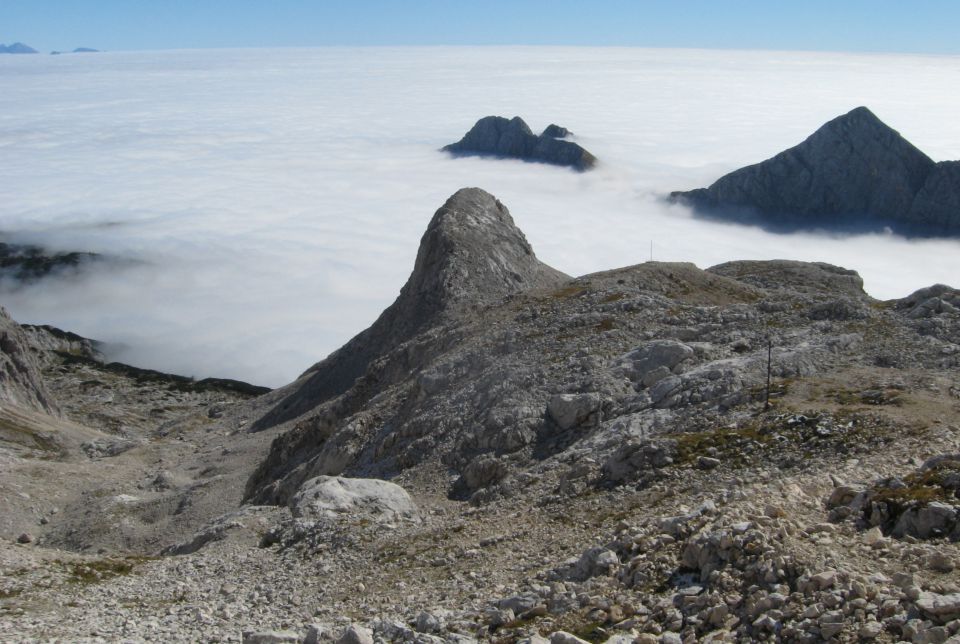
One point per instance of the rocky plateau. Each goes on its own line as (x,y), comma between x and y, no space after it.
(758,451)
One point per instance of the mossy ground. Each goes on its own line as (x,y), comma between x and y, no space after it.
(92,572)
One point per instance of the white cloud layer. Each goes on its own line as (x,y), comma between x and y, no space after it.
(276,198)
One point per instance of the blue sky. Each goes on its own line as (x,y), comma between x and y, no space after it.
(924,26)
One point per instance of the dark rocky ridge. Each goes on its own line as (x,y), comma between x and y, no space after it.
(512,138)
(853,173)
(28,263)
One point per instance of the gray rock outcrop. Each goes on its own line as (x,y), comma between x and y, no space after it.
(573,410)
(471,256)
(20,381)
(853,172)
(512,138)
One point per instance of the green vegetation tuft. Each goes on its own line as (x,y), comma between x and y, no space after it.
(592,632)
(938,483)
(606,324)
(92,572)
(568,292)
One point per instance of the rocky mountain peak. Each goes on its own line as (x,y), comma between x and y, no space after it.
(472,253)
(471,256)
(863,139)
(512,138)
(852,171)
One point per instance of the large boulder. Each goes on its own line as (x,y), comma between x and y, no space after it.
(572,410)
(940,608)
(512,138)
(336,496)
(853,171)
(654,361)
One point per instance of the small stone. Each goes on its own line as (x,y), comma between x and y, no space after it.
(824,579)
(427,623)
(935,635)
(940,608)
(708,463)
(940,562)
(873,536)
(314,633)
(269,637)
(25,537)
(902,579)
(356,634)
(563,637)
(829,630)
(870,630)
(774,511)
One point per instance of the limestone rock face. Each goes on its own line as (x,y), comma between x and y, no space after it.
(471,256)
(20,380)
(512,138)
(571,410)
(854,171)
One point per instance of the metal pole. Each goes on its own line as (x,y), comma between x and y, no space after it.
(766,402)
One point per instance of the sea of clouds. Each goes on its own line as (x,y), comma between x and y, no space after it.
(271,201)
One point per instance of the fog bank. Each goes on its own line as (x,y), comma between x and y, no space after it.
(274,199)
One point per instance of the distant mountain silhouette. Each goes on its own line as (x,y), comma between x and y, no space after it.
(854,172)
(17,48)
(78,50)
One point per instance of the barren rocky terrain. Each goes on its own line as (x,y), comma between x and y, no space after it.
(656,453)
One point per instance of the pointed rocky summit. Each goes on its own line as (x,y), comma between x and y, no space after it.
(471,256)
(512,138)
(853,171)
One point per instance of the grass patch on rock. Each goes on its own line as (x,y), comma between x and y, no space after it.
(92,572)
(938,483)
